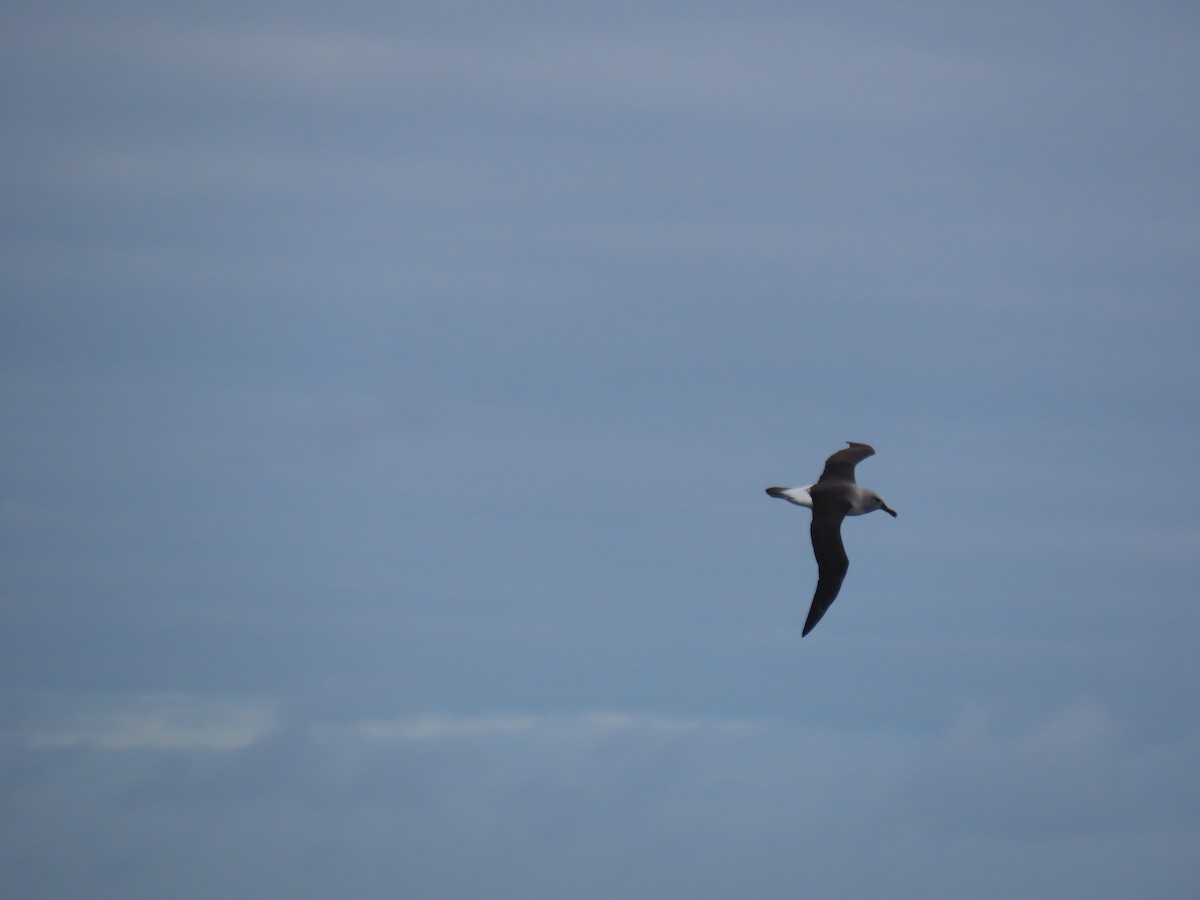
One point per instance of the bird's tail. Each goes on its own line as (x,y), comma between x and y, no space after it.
(779,492)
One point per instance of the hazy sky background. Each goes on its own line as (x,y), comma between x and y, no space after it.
(389,390)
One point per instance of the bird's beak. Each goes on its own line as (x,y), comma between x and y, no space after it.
(887,509)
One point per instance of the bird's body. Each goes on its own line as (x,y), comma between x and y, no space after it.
(861,499)
(833,497)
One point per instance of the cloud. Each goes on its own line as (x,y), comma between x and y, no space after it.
(151,721)
(602,804)
(1078,772)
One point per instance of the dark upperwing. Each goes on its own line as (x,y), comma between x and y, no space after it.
(840,466)
(832,562)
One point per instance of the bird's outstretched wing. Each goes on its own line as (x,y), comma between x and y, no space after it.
(840,466)
(832,562)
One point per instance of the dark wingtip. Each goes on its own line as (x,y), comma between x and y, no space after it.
(811,622)
(776,492)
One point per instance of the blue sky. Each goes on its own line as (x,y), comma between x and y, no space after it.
(389,394)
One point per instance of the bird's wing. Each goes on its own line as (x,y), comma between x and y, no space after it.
(840,466)
(832,562)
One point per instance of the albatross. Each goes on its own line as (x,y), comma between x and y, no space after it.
(835,496)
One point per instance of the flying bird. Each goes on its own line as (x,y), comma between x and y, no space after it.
(835,496)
